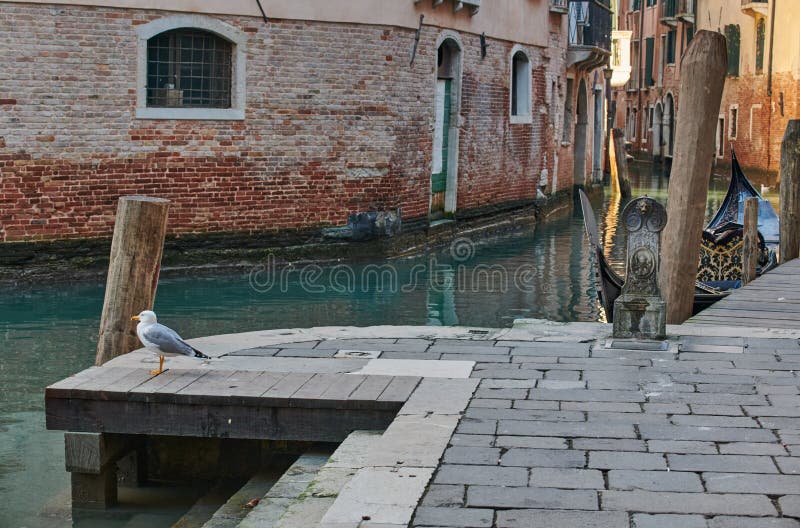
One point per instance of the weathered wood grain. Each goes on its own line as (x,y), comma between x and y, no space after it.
(790,192)
(213,421)
(703,70)
(136,247)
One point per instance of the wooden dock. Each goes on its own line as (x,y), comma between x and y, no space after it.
(771,301)
(225,403)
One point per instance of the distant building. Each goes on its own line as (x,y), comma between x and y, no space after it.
(649,40)
(762,89)
(290,121)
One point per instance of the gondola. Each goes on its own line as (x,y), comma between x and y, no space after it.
(721,235)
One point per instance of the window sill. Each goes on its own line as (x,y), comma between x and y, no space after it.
(520,119)
(210,114)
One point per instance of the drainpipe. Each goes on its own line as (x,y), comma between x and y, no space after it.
(769,82)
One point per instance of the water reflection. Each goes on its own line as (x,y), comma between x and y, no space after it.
(47,333)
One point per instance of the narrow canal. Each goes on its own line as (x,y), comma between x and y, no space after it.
(50,332)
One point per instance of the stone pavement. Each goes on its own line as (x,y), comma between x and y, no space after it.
(564,432)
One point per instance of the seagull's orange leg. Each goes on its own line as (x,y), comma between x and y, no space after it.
(160,367)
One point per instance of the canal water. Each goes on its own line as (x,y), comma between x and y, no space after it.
(50,332)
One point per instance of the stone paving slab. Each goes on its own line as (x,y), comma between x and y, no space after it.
(546,427)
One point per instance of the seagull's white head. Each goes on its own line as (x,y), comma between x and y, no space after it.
(146,317)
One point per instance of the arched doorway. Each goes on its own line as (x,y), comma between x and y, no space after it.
(444,169)
(669,125)
(658,117)
(581,122)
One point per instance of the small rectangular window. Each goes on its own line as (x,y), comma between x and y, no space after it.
(734,123)
(648,65)
(520,86)
(636,5)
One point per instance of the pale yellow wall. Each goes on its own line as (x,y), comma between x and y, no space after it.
(716,14)
(523,21)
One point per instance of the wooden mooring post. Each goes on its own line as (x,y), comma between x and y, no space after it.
(136,248)
(790,192)
(703,71)
(619,164)
(750,246)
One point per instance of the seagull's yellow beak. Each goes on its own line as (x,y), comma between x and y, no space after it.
(135,318)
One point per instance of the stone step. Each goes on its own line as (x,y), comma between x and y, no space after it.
(303,495)
(205,507)
(230,514)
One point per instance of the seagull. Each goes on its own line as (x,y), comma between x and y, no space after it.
(163,340)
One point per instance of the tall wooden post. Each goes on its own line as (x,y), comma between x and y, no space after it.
(619,164)
(702,78)
(136,249)
(790,192)
(750,246)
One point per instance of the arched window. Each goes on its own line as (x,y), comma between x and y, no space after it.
(188,68)
(520,88)
(191,67)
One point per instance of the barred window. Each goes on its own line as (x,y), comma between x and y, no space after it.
(189,68)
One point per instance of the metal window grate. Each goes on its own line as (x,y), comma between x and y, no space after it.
(188,68)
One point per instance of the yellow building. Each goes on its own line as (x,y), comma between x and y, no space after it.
(762,89)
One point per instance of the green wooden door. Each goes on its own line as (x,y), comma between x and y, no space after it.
(441,143)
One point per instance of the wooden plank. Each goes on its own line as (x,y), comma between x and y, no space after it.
(215,382)
(400,388)
(105,376)
(214,421)
(283,390)
(62,388)
(371,388)
(777,307)
(753,314)
(164,386)
(261,384)
(344,387)
(314,388)
(733,321)
(241,387)
(119,389)
(92,452)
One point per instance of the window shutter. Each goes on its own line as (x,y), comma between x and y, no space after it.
(671,38)
(760,36)
(732,34)
(648,64)
(635,5)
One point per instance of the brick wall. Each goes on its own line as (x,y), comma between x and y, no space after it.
(336,121)
(761,121)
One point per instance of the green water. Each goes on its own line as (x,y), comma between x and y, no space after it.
(48,332)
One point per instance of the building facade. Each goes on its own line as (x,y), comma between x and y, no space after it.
(762,88)
(649,40)
(295,117)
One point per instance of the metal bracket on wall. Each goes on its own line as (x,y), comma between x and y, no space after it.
(263,14)
(416,40)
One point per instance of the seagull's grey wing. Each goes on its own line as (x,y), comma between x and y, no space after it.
(168,340)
